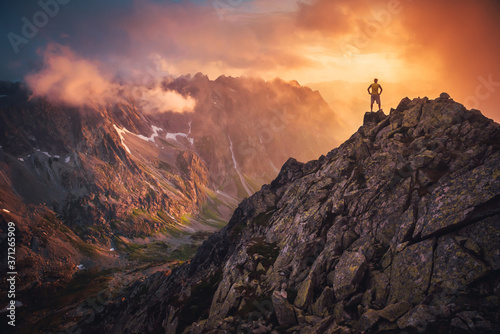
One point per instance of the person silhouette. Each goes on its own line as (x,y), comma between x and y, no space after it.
(375,94)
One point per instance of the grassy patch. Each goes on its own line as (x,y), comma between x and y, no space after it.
(172,230)
(210,215)
(185,219)
(88,250)
(165,217)
(170,225)
(183,253)
(254,184)
(200,236)
(151,252)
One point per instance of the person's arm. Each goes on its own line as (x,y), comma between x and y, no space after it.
(368,89)
(381,89)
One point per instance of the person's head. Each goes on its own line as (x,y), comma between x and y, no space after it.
(375,80)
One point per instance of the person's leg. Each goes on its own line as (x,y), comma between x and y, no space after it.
(371,105)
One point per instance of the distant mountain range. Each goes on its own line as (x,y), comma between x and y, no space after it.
(100,186)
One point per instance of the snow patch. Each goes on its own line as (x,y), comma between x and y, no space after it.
(173,136)
(153,136)
(120,133)
(111,249)
(80,266)
(46,154)
(5,210)
(67,159)
(20,159)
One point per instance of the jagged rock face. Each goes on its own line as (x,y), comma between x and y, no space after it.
(246,128)
(108,171)
(73,162)
(69,184)
(397,229)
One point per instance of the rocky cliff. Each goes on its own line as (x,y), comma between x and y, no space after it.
(396,229)
(100,186)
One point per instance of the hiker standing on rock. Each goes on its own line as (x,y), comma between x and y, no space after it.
(375,94)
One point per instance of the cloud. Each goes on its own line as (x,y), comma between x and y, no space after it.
(195,39)
(154,100)
(70,79)
(448,46)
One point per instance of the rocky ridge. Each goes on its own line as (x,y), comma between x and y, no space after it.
(100,186)
(396,229)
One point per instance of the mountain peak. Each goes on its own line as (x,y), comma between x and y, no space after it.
(396,229)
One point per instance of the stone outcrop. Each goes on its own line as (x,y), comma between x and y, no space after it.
(395,230)
(93,178)
(349,273)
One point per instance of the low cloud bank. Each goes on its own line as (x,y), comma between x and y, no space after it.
(67,78)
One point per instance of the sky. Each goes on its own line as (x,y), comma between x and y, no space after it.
(415,48)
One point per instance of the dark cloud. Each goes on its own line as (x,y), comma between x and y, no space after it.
(85,26)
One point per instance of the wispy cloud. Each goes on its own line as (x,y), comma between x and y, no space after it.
(410,42)
(70,79)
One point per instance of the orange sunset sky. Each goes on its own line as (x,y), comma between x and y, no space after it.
(415,47)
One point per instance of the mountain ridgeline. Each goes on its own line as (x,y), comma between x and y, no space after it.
(397,229)
(86,183)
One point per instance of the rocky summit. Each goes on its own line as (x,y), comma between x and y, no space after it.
(397,230)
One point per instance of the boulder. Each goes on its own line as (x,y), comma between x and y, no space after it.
(348,274)
(454,266)
(394,311)
(305,293)
(417,319)
(368,319)
(411,272)
(325,300)
(284,310)
(374,117)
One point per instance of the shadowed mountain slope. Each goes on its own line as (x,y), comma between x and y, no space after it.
(396,229)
